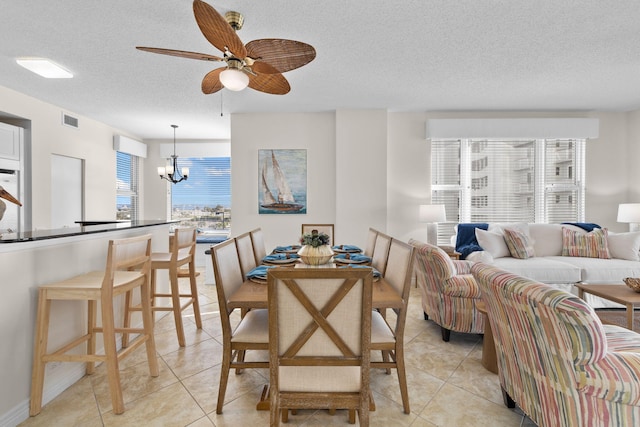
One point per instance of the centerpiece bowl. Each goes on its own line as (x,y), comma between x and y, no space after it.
(315,248)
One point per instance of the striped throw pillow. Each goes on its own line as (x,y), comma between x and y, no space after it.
(591,245)
(520,245)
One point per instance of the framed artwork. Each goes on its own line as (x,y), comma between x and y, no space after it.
(282,181)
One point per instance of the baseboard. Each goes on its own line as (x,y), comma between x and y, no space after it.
(64,377)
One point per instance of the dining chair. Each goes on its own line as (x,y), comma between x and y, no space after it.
(319,337)
(388,336)
(381,252)
(181,252)
(259,248)
(246,254)
(372,234)
(251,333)
(127,268)
(327,229)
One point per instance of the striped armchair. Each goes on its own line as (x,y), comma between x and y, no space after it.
(555,358)
(449,291)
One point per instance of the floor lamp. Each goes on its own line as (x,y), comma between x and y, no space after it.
(630,212)
(432,215)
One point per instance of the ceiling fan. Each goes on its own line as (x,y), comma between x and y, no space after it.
(259,64)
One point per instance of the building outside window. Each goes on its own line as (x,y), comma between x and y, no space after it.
(127,186)
(507,181)
(204,199)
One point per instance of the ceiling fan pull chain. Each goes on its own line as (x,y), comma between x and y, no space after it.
(221,115)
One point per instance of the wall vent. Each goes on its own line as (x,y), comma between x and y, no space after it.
(70,121)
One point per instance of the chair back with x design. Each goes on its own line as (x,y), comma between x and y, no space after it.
(319,338)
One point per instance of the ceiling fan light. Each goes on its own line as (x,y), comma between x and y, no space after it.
(234,80)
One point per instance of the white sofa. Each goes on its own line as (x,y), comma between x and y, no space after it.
(549,266)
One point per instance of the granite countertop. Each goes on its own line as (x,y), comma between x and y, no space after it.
(91,227)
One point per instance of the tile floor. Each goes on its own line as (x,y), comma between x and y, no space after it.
(447,384)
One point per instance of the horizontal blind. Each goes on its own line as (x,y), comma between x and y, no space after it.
(521,180)
(563,174)
(446,183)
(204,199)
(127,185)
(502,181)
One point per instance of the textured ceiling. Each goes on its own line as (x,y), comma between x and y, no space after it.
(422,55)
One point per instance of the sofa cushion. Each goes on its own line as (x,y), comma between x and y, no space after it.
(542,269)
(624,245)
(493,243)
(592,245)
(598,270)
(520,245)
(547,239)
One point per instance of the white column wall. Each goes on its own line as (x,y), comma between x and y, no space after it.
(313,132)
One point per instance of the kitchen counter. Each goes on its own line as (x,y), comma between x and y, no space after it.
(84,227)
(30,259)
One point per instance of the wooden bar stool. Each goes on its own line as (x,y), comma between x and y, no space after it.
(182,251)
(128,267)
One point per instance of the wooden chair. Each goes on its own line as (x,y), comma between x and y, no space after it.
(252,333)
(381,252)
(128,266)
(319,336)
(371,241)
(259,248)
(322,228)
(246,254)
(389,338)
(182,252)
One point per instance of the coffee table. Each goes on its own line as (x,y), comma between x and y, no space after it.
(621,294)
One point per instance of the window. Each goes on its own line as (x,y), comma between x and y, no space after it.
(127,168)
(507,181)
(204,199)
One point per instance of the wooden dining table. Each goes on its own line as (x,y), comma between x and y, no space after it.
(254,295)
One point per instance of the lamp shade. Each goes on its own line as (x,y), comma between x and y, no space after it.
(629,212)
(432,213)
(234,80)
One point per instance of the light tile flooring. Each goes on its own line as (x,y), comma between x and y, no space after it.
(448,386)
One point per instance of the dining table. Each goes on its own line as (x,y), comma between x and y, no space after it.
(254,295)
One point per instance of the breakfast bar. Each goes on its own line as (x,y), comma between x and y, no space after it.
(30,259)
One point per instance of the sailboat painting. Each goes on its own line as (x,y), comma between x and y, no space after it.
(282,181)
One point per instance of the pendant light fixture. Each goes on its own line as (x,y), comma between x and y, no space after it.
(171,172)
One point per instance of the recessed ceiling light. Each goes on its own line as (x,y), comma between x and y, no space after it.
(44,67)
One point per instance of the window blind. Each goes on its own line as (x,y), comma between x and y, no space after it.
(127,197)
(507,180)
(204,199)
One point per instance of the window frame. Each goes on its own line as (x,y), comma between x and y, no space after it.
(130,190)
(540,181)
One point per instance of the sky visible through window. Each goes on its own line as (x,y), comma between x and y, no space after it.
(209,183)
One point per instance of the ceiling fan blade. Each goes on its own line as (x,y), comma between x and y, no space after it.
(283,55)
(274,84)
(216,29)
(181,53)
(211,82)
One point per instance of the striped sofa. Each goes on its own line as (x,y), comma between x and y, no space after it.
(556,360)
(449,291)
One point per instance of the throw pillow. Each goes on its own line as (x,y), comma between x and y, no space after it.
(624,245)
(593,244)
(493,243)
(480,256)
(520,245)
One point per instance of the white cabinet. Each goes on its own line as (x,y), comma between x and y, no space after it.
(10,141)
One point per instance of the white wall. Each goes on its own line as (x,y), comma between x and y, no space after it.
(361,174)
(387,156)
(92,142)
(313,132)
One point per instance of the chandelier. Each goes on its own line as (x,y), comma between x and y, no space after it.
(171,172)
